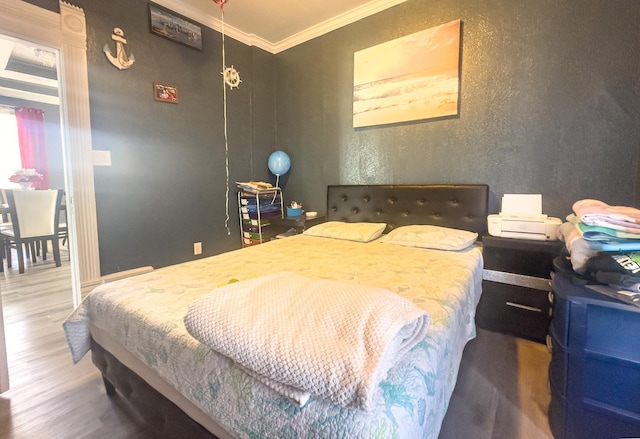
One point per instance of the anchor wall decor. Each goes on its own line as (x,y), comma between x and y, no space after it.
(122,61)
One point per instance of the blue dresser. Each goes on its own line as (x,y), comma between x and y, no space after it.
(594,375)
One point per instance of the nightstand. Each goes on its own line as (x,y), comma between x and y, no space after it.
(297,223)
(516,285)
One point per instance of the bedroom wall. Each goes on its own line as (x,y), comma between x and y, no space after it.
(166,188)
(549,103)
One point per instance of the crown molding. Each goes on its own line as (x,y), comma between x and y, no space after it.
(322,28)
(334,23)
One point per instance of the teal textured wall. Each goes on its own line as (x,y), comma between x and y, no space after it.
(166,188)
(549,104)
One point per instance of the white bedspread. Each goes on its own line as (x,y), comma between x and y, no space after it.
(332,339)
(144,315)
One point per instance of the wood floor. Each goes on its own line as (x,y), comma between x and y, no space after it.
(501,390)
(50,398)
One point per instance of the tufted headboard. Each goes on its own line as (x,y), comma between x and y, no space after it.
(460,206)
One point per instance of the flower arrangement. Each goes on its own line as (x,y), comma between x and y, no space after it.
(25,176)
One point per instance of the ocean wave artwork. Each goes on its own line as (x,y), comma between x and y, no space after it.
(410,78)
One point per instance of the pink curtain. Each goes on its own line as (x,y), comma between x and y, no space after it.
(33,144)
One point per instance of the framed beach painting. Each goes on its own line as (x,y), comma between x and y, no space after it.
(175,27)
(410,78)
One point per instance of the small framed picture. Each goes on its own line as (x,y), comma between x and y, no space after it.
(175,27)
(165,93)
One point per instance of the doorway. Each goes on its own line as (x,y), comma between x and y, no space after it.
(29,79)
(66,32)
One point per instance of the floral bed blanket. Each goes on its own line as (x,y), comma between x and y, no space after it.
(145,315)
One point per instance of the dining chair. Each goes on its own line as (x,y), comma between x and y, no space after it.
(4,224)
(63,232)
(35,217)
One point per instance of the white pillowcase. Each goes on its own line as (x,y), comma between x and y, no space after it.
(435,237)
(361,232)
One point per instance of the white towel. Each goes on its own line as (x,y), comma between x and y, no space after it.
(335,340)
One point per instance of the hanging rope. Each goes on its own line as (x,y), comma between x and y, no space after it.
(226,139)
(231,78)
(277,185)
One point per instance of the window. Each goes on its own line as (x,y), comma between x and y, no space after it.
(9,147)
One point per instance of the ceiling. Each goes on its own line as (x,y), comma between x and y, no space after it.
(27,71)
(277,25)
(272,26)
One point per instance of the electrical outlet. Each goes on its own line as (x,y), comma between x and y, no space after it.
(197,248)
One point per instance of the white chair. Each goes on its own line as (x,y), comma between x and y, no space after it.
(35,217)
(63,232)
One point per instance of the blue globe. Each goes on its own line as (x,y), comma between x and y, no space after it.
(279,163)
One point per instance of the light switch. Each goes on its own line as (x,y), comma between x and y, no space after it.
(101,158)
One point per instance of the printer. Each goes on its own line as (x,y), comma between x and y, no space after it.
(521,217)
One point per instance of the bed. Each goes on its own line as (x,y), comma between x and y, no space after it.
(139,342)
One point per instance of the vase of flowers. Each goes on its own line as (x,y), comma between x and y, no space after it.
(25,178)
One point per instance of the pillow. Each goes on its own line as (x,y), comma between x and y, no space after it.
(435,237)
(361,232)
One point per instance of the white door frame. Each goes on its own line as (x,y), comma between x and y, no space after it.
(66,32)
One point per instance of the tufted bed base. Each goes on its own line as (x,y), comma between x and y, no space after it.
(456,206)
(167,419)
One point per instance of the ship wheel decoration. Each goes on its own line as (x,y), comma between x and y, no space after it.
(231,77)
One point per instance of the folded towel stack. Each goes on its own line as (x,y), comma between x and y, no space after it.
(604,243)
(612,218)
